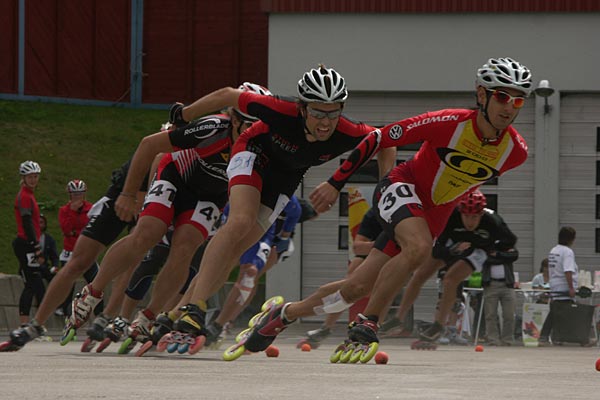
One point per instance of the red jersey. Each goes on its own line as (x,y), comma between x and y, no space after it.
(25,204)
(453,159)
(72,223)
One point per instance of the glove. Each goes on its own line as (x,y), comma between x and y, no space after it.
(176,115)
(282,244)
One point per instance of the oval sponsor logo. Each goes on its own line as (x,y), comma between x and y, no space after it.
(395,132)
(464,164)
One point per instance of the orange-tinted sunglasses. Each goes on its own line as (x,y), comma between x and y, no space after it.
(505,98)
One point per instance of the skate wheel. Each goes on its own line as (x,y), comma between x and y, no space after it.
(337,353)
(347,353)
(272,302)
(172,347)
(163,343)
(88,345)
(197,345)
(357,353)
(144,348)
(234,352)
(254,320)
(67,337)
(8,346)
(124,348)
(182,348)
(243,335)
(103,345)
(369,352)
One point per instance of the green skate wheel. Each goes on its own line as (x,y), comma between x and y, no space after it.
(234,352)
(347,353)
(70,335)
(272,302)
(124,349)
(254,320)
(337,353)
(356,354)
(369,352)
(243,335)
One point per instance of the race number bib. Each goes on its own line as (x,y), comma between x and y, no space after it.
(394,197)
(241,164)
(206,214)
(64,256)
(32,260)
(162,192)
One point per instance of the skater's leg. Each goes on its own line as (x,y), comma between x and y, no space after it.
(413,288)
(186,239)
(240,295)
(85,252)
(129,251)
(224,250)
(457,273)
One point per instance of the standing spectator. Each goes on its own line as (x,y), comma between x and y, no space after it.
(49,251)
(73,217)
(563,277)
(27,244)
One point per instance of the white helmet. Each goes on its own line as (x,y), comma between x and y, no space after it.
(254,88)
(76,186)
(505,72)
(29,167)
(322,85)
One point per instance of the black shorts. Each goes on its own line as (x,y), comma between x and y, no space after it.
(104,226)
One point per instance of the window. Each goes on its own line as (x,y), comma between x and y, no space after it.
(491,182)
(343,204)
(343,237)
(597,173)
(597,240)
(598,206)
(598,138)
(492,201)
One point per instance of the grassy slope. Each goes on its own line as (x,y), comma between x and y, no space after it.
(68,142)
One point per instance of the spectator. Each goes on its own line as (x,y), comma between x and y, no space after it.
(26,246)
(49,252)
(542,280)
(73,217)
(563,273)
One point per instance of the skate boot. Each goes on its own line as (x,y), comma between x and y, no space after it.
(161,327)
(428,337)
(393,327)
(214,336)
(362,342)
(138,331)
(113,332)
(23,335)
(315,337)
(189,333)
(264,328)
(83,305)
(95,333)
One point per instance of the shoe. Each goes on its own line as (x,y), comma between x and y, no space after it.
(543,342)
(432,333)
(266,329)
(59,312)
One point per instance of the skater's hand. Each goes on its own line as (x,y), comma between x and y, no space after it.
(323,197)
(126,207)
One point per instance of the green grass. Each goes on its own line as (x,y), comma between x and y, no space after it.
(69,142)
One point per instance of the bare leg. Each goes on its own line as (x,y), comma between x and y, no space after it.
(186,239)
(86,251)
(224,250)
(129,251)
(358,285)
(455,275)
(118,294)
(412,290)
(413,236)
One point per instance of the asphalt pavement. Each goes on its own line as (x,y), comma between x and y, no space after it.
(46,370)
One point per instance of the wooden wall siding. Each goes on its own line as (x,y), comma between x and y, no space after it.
(77,49)
(194,47)
(9,35)
(427,6)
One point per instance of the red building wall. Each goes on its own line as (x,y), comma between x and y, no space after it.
(9,35)
(194,47)
(77,49)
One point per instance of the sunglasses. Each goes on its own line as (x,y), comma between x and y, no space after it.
(318,114)
(505,98)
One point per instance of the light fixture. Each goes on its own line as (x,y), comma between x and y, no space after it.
(544,90)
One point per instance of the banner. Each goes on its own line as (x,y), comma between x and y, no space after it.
(534,315)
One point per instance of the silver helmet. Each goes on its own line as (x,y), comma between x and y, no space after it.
(322,85)
(507,73)
(29,167)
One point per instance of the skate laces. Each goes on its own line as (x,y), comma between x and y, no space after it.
(83,304)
